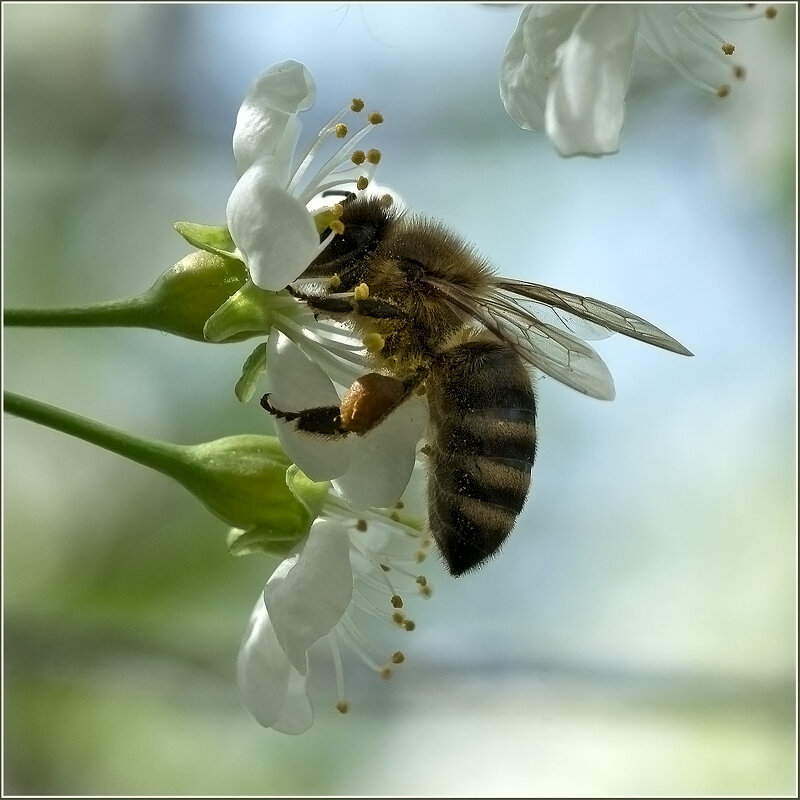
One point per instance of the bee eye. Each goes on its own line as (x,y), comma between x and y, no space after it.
(364,221)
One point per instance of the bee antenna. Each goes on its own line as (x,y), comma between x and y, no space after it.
(339,193)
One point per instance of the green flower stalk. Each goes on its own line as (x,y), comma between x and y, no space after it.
(180,302)
(245,480)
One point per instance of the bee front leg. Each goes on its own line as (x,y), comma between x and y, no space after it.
(349,304)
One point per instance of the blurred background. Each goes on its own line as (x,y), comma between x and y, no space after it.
(637,635)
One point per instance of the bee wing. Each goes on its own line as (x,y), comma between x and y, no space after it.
(557,353)
(612,318)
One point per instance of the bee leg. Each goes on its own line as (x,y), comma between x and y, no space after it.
(366,307)
(325,420)
(366,404)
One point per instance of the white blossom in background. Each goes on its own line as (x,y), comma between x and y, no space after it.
(271,217)
(347,570)
(567,67)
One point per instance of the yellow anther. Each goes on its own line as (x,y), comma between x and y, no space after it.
(420,556)
(324,218)
(361,292)
(426,591)
(384,567)
(724,90)
(739,72)
(394,516)
(398,657)
(337,226)
(374,156)
(771,12)
(409,625)
(728,48)
(358,157)
(386,673)
(399,504)
(361,525)
(397,601)
(374,343)
(398,618)
(357,105)
(386,200)
(422,580)
(343,706)
(362,183)
(341,130)
(375,118)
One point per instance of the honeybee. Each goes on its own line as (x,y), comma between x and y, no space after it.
(447,326)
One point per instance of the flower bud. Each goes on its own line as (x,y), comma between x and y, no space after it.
(243,480)
(188,293)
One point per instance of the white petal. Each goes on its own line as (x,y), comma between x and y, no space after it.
(309,599)
(262,669)
(382,461)
(529,62)
(586,102)
(267,123)
(274,231)
(296,383)
(296,714)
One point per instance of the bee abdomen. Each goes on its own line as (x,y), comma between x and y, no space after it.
(483,444)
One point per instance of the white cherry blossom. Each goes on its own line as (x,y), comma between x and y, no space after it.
(567,66)
(348,569)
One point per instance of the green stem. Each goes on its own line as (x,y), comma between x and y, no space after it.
(168,459)
(117,314)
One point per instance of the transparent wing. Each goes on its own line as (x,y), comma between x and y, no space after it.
(595,312)
(557,353)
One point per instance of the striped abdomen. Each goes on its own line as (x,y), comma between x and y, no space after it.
(482,446)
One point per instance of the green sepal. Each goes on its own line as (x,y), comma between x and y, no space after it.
(211,238)
(251,310)
(267,539)
(311,494)
(252,370)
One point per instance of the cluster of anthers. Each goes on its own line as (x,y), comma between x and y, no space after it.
(688,36)
(381,571)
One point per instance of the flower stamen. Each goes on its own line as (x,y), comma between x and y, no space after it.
(342,706)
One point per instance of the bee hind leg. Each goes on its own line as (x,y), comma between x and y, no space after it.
(324,420)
